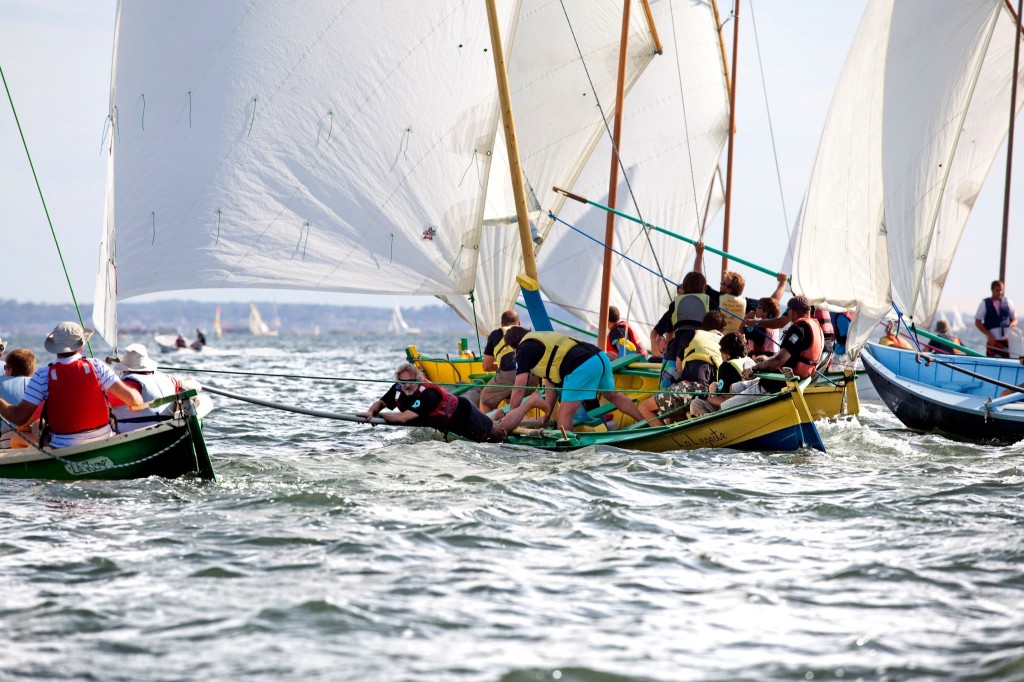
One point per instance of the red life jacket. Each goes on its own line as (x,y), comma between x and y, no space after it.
(825,322)
(807,362)
(76,402)
(440,415)
(630,335)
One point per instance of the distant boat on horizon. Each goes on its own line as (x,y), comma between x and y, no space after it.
(257,327)
(398,325)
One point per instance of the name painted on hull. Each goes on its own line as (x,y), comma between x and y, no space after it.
(89,466)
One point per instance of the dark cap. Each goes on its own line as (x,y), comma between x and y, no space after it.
(799,303)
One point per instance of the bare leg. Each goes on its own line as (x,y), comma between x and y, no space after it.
(565,413)
(624,404)
(649,410)
(511,420)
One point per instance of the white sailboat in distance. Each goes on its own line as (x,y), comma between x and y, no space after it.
(398,325)
(257,327)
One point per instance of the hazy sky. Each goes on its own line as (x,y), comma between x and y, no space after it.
(56,57)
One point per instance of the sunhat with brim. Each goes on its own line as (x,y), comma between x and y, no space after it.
(136,359)
(67,337)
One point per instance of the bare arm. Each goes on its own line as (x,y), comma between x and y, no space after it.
(781,288)
(19,414)
(489,364)
(519,391)
(771,364)
(984,330)
(398,417)
(698,258)
(373,410)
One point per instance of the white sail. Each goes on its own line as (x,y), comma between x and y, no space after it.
(839,246)
(340,147)
(915,124)
(936,51)
(675,124)
(983,132)
(257,327)
(398,325)
(555,97)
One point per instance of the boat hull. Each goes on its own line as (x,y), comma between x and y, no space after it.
(939,399)
(779,422)
(169,450)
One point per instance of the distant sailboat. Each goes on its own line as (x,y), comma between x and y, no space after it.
(218,331)
(398,325)
(257,327)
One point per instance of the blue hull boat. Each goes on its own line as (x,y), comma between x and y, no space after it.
(955,395)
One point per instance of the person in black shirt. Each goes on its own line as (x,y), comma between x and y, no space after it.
(418,403)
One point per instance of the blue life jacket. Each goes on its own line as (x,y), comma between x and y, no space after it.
(993,319)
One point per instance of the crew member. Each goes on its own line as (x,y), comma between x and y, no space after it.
(139,371)
(994,318)
(620,334)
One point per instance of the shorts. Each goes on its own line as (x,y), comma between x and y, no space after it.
(687,391)
(586,381)
(492,396)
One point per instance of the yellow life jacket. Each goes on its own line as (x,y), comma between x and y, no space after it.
(501,349)
(556,346)
(737,306)
(705,346)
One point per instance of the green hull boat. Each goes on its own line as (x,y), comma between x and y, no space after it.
(170,449)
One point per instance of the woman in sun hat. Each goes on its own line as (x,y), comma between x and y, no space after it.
(75,390)
(138,371)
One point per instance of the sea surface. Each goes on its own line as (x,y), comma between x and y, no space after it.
(330,550)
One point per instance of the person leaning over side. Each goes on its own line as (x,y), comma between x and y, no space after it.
(74,389)
(801,349)
(994,318)
(580,371)
(416,402)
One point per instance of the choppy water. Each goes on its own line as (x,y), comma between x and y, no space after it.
(333,551)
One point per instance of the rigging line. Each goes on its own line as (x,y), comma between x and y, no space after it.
(771,130)
(142,120)
(608,132)
(603,246)
(46,210)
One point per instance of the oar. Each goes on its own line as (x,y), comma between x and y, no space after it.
(340,416)
(584,200)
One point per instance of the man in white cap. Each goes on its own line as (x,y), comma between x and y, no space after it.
(138,371)
(74,389)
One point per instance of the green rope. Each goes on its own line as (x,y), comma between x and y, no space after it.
(45,209)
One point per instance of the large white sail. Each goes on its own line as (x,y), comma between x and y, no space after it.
(340,147)
(917,119)
(555,97)
(675,124)
(983,132)
(936,51)
(839,246)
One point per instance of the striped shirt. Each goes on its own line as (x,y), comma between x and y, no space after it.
(38,388)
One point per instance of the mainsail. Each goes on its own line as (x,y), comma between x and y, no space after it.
(341,147)
(562,65)
(675,124)
(916,122)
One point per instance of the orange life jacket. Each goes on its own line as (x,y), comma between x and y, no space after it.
(76,402)
(808,361)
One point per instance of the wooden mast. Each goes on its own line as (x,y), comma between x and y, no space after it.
(1009,140)
(511,143)
(650,25)
(732,135)
(613,181)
